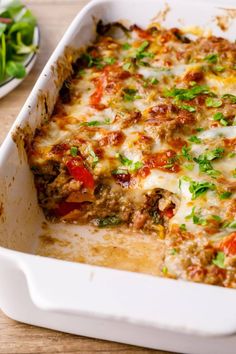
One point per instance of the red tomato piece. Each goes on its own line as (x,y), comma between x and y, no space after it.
(80,173)
(169,213)
(228,245)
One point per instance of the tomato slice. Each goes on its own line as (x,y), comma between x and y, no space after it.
(169,212)
(228,245)
(80,173)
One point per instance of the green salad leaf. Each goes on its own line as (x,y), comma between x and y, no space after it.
(17,27)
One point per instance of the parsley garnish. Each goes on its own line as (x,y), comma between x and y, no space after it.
(219,260)
(154,81)
(212,58)
(127,66)
(188,108)
(225,195)
(216,217)
(92,61)
(189,166)
(212,102)
(205,164)
(232,98)
(112,220)
(109,61)
(218,68)
(74,151)
(130,94)
(165,270)
(183,227)
(126,46)
(195,139)
(197,218)
(95,123)
(141,53)
(187,94)
(221,118)
(185,153)
(199,188)
(94,156)
(131,165)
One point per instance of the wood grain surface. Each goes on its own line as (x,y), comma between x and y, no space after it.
(53,16)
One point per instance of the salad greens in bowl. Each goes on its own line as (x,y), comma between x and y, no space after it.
(19,42)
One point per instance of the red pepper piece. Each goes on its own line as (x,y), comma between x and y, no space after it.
(80,173)
(228,245)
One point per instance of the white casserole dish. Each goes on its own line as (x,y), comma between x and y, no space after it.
(88,300)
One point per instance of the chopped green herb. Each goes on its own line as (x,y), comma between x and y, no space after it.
(216,217)
(199,129)
(232,225)
(219,68)
(197,218)
(95,157)
(95,123)
(212,58)
(187,94)
(204,161)
(185,153)
(74,151)
(195,139)
(231,155)
(188,108)
(232,98)
(109,61)
(143,46)
(92,61)
(189,166)
(219,260)
(214,154)
(199,188)
(141,53)
(173,252)
(221,118)
(130,94)
(225,195)
(126,46)
(127,66)
(183,227)
(234,173)
(112,220)
(154,81)
(132,166)
(211,102)
(165,270)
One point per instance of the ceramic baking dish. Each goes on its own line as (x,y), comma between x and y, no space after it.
(89,300)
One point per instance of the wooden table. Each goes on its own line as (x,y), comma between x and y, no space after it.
(54,17)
